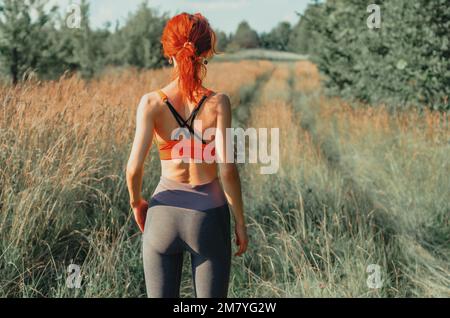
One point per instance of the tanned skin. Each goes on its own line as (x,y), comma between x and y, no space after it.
(154,121)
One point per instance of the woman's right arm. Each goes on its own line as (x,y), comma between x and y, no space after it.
(145,115)
(229,173)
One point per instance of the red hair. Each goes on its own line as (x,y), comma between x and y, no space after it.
(190,38)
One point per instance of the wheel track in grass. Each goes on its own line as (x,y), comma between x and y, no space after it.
(387,231)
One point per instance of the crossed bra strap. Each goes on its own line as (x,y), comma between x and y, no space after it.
(188,123)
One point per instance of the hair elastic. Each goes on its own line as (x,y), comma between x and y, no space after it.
(186,44)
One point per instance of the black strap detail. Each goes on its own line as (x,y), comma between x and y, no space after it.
(190,120)
(177,116)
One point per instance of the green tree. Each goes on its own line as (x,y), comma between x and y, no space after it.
(222,40)
(246,37)
(304,38)
(137,43)
(278,38)
(24,45)
(404,63)
(86,47)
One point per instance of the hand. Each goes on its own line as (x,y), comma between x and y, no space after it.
(140,214)
(241,239)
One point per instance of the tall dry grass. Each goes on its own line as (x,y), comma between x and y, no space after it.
(357,185)
(394,170)
(64,146)
(349,194)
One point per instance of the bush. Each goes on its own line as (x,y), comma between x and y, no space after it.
(404,63)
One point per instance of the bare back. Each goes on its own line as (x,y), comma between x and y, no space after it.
(165,124)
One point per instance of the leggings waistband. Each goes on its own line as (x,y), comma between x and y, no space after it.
(186,186)
(195,197)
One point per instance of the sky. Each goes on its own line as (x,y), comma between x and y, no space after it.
(225,15)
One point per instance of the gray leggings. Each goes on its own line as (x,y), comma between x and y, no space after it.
(184,218)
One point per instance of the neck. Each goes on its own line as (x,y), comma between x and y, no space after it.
(174,88)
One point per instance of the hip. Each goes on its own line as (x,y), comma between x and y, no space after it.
(201,197)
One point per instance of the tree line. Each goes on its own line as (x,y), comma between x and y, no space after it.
(43,41)
(405,62)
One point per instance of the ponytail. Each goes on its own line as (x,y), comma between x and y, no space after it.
(192,41)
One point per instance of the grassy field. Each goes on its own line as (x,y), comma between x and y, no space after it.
(357,186)
(261,54)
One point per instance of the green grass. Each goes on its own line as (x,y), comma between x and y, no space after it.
(342,200)
(261,54)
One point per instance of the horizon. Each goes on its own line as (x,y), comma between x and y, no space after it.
(224,15)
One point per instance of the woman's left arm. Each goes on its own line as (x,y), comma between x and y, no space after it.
(141,147)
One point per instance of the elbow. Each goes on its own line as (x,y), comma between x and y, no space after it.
(132,171)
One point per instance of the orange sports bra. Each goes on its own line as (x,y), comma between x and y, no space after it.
(175,149)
